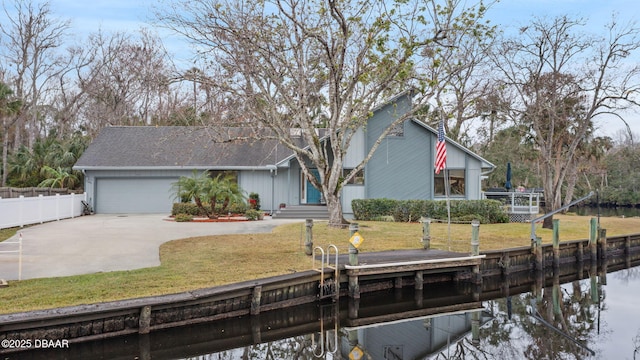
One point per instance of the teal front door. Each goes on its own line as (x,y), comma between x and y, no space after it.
(313,194)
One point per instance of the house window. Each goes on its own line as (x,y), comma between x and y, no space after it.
(358,179)
(224,173)
(397,130)
(456,183)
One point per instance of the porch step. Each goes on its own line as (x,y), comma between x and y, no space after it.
(316,212)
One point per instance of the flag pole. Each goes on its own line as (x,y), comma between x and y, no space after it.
(441,164)
(447,190)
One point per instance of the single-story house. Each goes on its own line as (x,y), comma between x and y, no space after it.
(132,169)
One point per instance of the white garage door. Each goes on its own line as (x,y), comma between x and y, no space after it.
(134,195)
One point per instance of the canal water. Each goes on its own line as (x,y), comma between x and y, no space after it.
(585,316)
(577,324)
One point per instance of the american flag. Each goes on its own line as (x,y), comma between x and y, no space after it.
(441,150)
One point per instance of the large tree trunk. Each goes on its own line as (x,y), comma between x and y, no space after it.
(334,207)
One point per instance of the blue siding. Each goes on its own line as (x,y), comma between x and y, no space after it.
(401,167)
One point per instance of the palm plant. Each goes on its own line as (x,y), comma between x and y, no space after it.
(201,186)
(58,177)
(27,165)
(194,187)
(225,188)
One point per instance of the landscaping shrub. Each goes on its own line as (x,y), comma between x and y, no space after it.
(254,201)
(185,208)
(372,208)
(183,218)
(252,214)
(486,211)
(192,209)
(236,207)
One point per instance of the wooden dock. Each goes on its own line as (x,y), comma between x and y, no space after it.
(377,270)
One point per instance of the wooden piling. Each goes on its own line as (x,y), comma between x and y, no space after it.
(354,286)
(580,254)
(602,239)
(419,280)
(426,232)
(353,252)
(475,238)
(255,300)
(538,254)
(144,322)
(475,249)
(308,243)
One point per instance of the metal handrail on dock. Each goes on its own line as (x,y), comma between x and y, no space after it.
(324,292)
(534,221)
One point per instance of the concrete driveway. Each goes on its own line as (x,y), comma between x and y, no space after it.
(101,243)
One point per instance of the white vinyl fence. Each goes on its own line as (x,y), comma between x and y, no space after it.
(36,210)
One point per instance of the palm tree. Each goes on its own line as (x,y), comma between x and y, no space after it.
(194,187)
(201,186)
(58,177)
(225,188)
(8,107)
(26,166)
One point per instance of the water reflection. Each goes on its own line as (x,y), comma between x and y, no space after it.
(572,314)
(582,319)
(578,320)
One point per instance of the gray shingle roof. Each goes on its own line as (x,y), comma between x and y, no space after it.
(179,147)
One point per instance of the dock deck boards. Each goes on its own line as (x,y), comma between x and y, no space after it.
(384,257)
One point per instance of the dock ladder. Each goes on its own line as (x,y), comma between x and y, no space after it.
(330,287)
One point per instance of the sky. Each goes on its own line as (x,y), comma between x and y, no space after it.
(123,15)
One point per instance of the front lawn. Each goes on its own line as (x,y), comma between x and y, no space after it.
(201,262)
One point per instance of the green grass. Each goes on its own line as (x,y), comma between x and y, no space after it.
(7,233)
(201,262)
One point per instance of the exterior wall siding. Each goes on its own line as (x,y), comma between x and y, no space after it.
(401,167)
(292,190)
(349,193)
(356,151)
(260,182)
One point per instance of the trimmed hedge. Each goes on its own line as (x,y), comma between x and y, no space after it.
(486,211)
(192,208)
(183,218)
